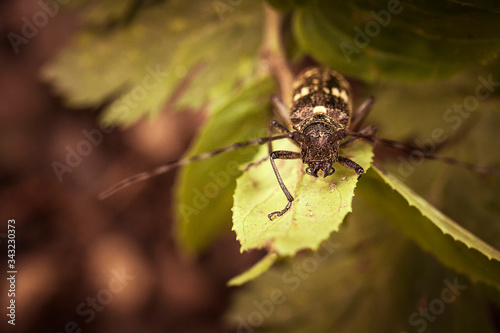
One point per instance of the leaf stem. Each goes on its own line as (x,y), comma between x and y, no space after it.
(273,54)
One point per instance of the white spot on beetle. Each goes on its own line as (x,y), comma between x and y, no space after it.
(303,92)
(344,96)
(319,109)
(311,72)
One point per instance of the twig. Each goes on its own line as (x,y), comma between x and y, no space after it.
(273,53)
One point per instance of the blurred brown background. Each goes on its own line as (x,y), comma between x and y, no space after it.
(84,264)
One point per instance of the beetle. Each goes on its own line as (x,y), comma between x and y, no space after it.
(318,122)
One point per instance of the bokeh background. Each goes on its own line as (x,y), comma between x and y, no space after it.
(70,245)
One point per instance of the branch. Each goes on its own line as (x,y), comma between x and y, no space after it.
(273,54)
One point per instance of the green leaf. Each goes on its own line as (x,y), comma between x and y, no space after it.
(140,66)
(453,245)
(255,271)
(205,188)
(373,280)
(488,5)
(393,40)
(104,12)
(319,208)
(415,110)
(468,198)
